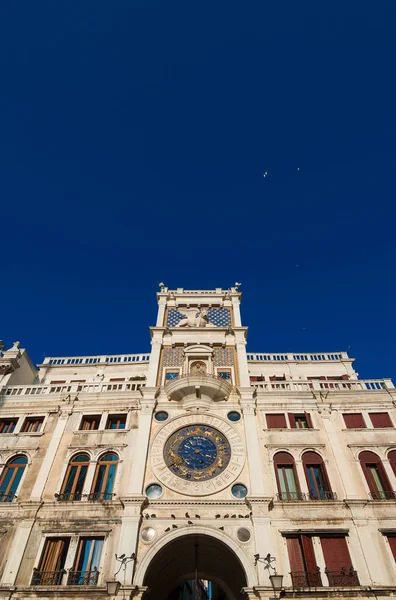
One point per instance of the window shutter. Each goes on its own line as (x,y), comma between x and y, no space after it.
(276,421)
(392,544)
(392,460)
(345,377)
(309,554)
(253,378)
(336,553)
(381,420)
(272,378)
(354,420)
(309,420)
(292,420)
(295,555)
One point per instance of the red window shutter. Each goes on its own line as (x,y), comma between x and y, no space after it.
(309,554)
(292,420)
(117,378)
(336,553)
(272,378)
(345,377)
(309,420)
(354,420)
(58,381)
(381,420)
(276,421)
(253,378)
(295,555)
(392,544)
(392,460)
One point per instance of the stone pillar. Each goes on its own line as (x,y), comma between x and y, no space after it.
(240,342)
(255,465)
(161,309)
(156,345)
(302,480)
(50,454)
(235,299)
(140,450)
(17,550)
(128,541)
(339,460)
(263,537)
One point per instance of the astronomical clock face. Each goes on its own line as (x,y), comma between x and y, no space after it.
(197,455)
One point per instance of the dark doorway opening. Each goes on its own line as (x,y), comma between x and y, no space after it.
(195,567)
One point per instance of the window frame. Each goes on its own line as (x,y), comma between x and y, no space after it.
(70,465)
(7,421)
(113,416)
(369,459)
(90,417)
(282,460)
(97,494)
(39,419)
(310,460)
(8,491)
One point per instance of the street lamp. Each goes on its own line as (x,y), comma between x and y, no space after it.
(275,578)
(114,585)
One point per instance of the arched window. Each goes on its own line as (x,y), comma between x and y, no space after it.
(375,475)
(73,482)
(392,460)
(102,487)
(286,477)
(10,477)
(317,480)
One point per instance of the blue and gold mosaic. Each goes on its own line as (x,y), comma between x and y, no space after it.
(220,316)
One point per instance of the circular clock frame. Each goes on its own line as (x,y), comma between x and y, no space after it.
(197,488)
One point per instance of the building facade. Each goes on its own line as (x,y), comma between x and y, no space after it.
(192,464)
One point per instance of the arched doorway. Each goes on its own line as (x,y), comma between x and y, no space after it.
(192,558)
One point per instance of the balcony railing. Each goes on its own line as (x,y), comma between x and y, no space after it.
(362,385)
(290,356)
(83,577)
(322,495)
(72,388)
(7,497)
(302,497)
(342,578)
(92,360)
(93,497)
(383,495)
(47,577)
(291,496)
(304,579)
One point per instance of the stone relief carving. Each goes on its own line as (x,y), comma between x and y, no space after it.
(198,368)
(192,318)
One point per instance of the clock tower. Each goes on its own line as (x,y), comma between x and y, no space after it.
(198,410)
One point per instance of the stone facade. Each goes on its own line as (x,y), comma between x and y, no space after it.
(308,473)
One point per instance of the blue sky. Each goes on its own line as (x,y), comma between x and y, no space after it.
(134,138)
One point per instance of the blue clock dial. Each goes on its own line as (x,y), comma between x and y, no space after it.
(197,452)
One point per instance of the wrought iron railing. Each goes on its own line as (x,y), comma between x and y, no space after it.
(83,577)
(69,497)
(343,578)
(7,497)
(47,577)
(303,579)
(302,497)
(100,496)
(383,495)
(322,495)
(291,496)
(93,497)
